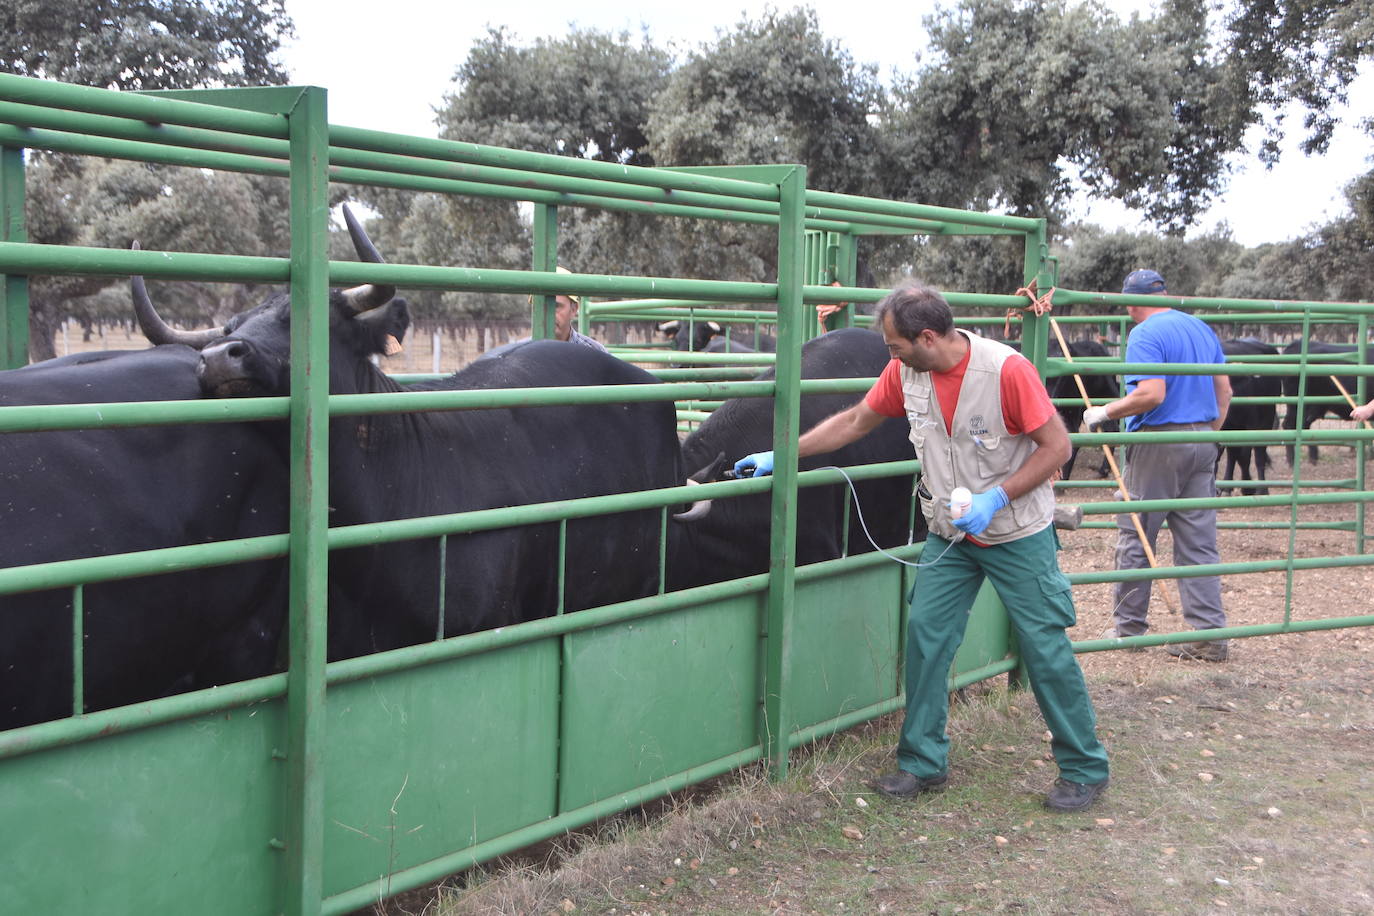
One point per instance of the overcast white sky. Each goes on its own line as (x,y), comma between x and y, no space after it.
(388,64)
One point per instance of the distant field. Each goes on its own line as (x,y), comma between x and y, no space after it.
(455,343)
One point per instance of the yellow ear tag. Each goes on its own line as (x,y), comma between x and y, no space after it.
(393,346)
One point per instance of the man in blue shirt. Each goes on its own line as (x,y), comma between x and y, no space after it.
(1179,470)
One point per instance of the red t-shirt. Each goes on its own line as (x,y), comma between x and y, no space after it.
(1025,403)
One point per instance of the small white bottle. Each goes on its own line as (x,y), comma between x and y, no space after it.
(959,502)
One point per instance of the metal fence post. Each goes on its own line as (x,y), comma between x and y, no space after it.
(304,853)
(14,288)
(545,258)
(777,722)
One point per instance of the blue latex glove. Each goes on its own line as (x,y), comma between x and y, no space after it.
(980,513)
(759,464)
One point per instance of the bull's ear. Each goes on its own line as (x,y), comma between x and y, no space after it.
(386,326)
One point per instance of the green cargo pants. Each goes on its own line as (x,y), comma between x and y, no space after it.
(1026,575)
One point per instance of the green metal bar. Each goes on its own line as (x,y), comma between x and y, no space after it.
(28,418)
(562,566)
(546,260)
(1056,366)
(663,550)
(1246,526)
(525,186)
(66,573)
(1035,329)
(1074,297)
(14,287)
(1361,448)
(33,739)
(866,205)
(1117,507)
(84,125)
(1220,569)
(1300,408)
(777,721)
(1262,629)
(74,259)
(302,872)
(78,650)
(443,587)
(804,736)
(77,144)
(69,573)
(141,107)
(548,163)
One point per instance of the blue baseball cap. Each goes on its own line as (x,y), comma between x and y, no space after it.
(1144,283)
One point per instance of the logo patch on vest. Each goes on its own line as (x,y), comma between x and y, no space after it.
(977,426)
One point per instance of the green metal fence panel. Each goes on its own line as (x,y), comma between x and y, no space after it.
(177,818)
(648,698)
(844,643)
(502,738)
(427,760)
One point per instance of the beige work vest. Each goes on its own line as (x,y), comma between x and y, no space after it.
(980,454)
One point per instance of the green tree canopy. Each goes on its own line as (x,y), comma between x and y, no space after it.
(143,44)
(1020,98)
(775,90)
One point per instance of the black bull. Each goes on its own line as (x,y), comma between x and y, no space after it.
(395,466)
(709,337)
(84,493)
(1318,385)
(1249,416)
(733,540)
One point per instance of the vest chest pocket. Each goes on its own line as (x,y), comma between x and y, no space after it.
(994,457)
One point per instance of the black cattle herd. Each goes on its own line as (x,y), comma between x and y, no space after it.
(88,493)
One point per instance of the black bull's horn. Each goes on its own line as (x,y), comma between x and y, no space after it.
(702,507)
(158,331)
(359,299)
(699,510)
(370,295)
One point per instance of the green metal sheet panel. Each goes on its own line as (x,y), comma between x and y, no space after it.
(171,819)
(844,643)
(653,697)
(427,761)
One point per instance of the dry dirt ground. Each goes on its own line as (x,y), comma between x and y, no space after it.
(1242,787)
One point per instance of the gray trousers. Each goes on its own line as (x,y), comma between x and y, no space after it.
(1175,471)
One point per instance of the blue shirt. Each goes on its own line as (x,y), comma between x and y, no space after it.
(1175,337)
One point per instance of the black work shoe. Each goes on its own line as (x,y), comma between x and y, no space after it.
(1199,651)
(1067,795)
(902,784)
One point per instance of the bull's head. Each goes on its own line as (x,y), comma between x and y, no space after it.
(250,354)
(676,331)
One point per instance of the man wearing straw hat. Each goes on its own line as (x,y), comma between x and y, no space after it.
(564,317)
(1175,470)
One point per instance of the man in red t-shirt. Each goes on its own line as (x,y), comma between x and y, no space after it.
(980,419)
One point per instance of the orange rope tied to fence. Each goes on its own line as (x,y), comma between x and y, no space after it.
(824,311)
(1038,304)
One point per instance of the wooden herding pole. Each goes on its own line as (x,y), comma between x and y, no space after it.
(1116,472)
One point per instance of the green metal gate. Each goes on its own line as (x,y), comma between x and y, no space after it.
(329,786)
